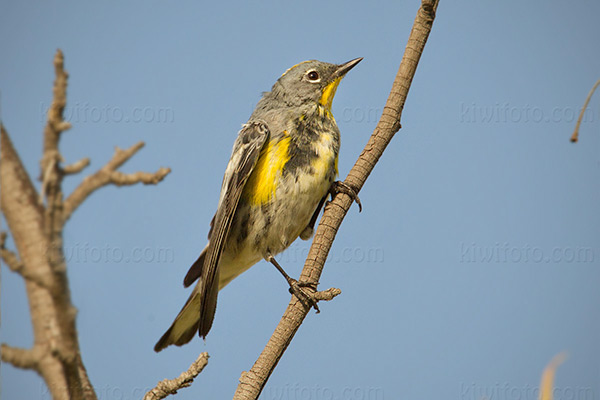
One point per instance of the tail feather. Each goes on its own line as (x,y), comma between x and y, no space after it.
(186,324)
(195,270)
(208,308)
(193,317)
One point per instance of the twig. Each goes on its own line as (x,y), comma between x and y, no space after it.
(253,381)
(327,295)
(547,381)
(55,125)
(76,167)
(13,263)
(109,175)
(147,178)
(9,257)
(20,358)
(167,387)
(575,136)
(55,122)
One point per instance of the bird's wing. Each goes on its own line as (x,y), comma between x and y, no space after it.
(244,157)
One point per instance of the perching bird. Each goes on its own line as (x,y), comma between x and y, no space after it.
(282,168)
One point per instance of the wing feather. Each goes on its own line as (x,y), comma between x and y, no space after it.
(244,157)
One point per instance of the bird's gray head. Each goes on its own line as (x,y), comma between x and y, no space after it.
(310,82)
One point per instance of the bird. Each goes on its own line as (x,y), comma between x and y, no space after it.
(282,168)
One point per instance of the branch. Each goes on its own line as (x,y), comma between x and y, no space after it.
(327,295)
(167,387)
(9,257)
(575,136)
(55,125)
(20,206)
(76,167)
(37,230)
(13,262)
(147,178)
(20,358)
(37,233)
(109,175)
(253,381)
(547,382)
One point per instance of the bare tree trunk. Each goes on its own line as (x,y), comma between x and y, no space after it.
(36,222)
(253,381)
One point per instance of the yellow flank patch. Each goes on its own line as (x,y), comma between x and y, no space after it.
(263,181)
(328,93)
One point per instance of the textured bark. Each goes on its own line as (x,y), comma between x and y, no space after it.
(36,222)
(252,382)
(168,387)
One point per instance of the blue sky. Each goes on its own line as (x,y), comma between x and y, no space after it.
(475,260)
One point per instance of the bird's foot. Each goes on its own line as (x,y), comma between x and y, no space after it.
(306,297)
(342,187)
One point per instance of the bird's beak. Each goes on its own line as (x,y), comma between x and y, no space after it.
(344,68)
(329,90)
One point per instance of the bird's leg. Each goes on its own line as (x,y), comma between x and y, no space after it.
(342,187)
(296,287)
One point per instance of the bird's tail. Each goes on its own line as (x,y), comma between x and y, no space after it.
(194,316)
(186,323)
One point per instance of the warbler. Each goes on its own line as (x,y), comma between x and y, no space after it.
(282,168)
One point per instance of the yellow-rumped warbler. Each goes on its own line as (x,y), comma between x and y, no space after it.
(282,168)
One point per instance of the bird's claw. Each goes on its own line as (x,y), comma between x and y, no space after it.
(343,187)
(296,288)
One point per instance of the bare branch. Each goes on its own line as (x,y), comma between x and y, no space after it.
(547,381)
(147,178)
(122,156)
(253,381)
(167,387)
(9,257)
(37,233)
(575,136)
(13,262)
(37,230)
(55,124)
(109,175)
(20,206)
(21,358)
(327,295)
(76,167)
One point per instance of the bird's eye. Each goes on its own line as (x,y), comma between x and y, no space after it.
(312,76)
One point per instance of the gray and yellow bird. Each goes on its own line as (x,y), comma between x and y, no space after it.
(283,166)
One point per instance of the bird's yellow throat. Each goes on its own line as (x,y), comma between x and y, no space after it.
(328,93)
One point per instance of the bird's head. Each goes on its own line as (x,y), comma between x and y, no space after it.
(311,81)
